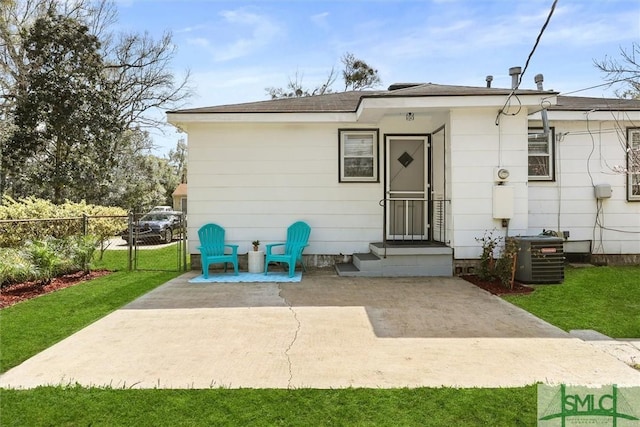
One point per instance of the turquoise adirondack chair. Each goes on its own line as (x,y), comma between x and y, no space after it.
(297,238)
(212,248)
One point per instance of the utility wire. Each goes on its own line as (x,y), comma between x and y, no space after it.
(526,65)
(544,27)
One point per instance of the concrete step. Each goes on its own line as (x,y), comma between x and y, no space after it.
(439,263)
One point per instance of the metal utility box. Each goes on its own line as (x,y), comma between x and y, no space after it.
(540,259)
(503,201)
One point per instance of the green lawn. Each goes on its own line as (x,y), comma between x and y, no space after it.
(602,298)
(252,407)
(606,299)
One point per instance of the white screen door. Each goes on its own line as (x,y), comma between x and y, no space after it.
(407,187)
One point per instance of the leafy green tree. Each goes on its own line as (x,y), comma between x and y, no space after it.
(136,69)
(178,160)
(141,180)
(357,74)
(64,115)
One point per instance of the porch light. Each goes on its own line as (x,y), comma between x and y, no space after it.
(409,117)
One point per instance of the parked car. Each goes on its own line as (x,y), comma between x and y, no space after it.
(156,226)
(162,209)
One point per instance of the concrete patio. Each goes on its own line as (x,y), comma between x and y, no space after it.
(325,332)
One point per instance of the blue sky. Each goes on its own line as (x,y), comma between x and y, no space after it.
(236,49)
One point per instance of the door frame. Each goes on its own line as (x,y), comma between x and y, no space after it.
(426,193)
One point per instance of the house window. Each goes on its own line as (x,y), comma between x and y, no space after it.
(541,159)
(633,164)
(359,155)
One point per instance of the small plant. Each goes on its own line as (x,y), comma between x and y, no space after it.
(503,267)
(81,252)
(45,259)
(256,244)
(487,259)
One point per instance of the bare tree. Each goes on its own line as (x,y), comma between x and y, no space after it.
(140,68)
(625,69)
(295,89)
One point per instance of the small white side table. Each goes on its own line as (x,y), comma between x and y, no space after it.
(256,261)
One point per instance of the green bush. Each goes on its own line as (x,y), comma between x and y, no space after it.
(45,257)
(15,267)
(81,251)
(502,267)
(42,260)
(46,219)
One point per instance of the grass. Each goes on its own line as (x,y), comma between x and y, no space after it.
(606,299)
(32,326)
(253,407)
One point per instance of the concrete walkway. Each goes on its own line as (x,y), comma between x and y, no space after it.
(325,332)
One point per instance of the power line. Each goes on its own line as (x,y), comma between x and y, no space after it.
(538,38)
(544,27)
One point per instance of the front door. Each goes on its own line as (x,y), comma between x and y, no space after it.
(407,187)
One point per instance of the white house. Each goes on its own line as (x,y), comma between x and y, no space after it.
(418,171)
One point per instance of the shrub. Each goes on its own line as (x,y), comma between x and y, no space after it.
(502,267)
(487,259)
(15,267)
(45,258)
(58,221)
(42,260)
(81,252)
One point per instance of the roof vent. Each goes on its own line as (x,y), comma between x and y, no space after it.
(514,72)
(489,79)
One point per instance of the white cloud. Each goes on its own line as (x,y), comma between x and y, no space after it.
(320,19)
(190,29)
(199,41)
(258,31)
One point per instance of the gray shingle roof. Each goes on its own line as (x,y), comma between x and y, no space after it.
(346,102)
(349,101)
(333,102)
(580,103)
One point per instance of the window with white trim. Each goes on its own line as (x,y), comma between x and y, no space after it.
(541,158)
(633,164)
(359,155)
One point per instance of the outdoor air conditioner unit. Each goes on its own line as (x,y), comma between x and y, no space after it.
(540,259)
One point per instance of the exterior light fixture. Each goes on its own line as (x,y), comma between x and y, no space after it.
(409,117)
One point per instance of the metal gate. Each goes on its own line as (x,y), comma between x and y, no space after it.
(157,241)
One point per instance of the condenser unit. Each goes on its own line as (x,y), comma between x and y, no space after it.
(540,259)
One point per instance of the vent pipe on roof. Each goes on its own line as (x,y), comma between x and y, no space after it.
(514,72)
(489,79)
(539,78)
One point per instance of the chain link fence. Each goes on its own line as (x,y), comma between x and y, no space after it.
(133,232)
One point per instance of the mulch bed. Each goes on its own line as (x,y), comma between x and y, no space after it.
(496,288)
(18,292)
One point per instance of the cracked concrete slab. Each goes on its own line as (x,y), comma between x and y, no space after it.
(324,332)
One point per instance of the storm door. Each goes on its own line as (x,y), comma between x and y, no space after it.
(407,187)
